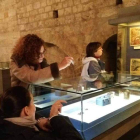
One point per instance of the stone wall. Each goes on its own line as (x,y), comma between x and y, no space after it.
(79,22)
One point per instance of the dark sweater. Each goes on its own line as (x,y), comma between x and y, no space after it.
(62,130)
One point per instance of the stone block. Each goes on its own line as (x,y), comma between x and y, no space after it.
(37,17)
(76,2)
(11,12)
(29,7)
(29,1)
(44,16)
(85,15)
(88,6)
(57,1)
(19,4)
(56,22)
(92,13)
(19,16)
(107,11)
(36,5)
(1,15)
(34,12)
(49,23)
(79,8)
(12,24)
(57,6)
(43,3)
(34,25)
(31,19)
(83,1)
(6,15)
(41,24)
(41,10)
(22,27)
(26,14)
(128,3)
(102,3)
(49,2)
(69,19)
(70,3)
(65,4)
(48,8)
(21,10)
(61,12)
(68,11)
(23,21)
(74,8)
(61,20)
(78,17)
(50,15)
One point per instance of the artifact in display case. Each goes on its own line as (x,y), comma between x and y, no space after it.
(103,100)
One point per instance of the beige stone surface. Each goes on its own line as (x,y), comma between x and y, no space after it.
(79,22)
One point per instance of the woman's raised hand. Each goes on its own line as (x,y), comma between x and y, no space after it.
(56,108)
(65,62)
(43,122)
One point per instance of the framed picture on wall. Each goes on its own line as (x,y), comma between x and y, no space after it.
(135,36)
(135,66)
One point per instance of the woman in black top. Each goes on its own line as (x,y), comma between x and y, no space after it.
(17,121)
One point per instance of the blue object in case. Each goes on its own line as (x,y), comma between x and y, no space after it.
(103,100)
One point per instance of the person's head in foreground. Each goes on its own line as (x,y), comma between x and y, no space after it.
(17,119)
(17,102)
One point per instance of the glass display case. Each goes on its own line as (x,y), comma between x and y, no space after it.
(94,105)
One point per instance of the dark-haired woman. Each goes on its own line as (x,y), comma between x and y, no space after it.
(92,63)
(17,121)
(28,64)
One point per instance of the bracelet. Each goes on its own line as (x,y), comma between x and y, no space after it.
(52,117)
(38,120)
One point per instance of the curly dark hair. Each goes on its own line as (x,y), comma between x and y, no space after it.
(28,48)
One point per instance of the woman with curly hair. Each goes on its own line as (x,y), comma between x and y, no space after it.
(28,64)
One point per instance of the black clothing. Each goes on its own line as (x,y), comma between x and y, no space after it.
(62,130)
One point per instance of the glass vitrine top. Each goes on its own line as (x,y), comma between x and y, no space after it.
(94,83)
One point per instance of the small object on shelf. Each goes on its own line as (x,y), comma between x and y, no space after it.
(80,113)
(117,92)
(127,94)
(111,94)
(103,100)
(80,88)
